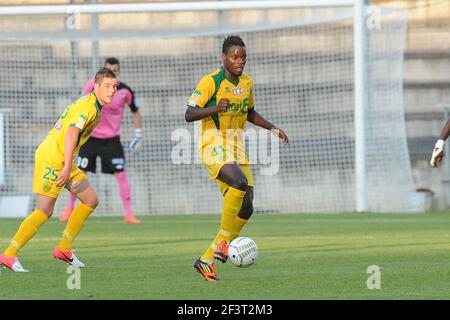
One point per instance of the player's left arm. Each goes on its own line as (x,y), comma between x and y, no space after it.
(137,120)
(254,117)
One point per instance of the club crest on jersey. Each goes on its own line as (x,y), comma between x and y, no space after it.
(238,91)
(47,187)
(122,94)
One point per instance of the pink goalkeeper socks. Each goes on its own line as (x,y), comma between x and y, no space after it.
(124,191)
(71,202)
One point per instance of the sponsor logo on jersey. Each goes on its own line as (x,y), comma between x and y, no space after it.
(241,107)
(58,126)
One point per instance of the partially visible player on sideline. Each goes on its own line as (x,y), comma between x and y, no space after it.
(438,152)
(55,169)
(105,142)
(223,101)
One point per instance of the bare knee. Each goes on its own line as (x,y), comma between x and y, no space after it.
(45,204)
(47,212)
(83,190)
(95,202)
(92,202)
(240,183)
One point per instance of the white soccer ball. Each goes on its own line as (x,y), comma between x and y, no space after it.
(242,252)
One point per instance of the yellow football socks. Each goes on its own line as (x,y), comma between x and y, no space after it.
(232,204)
(238,224)
(27,230)
(74,225)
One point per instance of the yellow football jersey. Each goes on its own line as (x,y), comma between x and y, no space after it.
(84,114)
(216,86)
(221,139)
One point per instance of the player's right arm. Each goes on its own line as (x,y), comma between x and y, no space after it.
(438,151)
(200,97)
(197,113)
(70,142)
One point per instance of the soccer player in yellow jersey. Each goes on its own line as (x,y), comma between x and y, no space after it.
(223,100)
(55,169)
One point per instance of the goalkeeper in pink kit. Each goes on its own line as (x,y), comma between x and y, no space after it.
(105,142)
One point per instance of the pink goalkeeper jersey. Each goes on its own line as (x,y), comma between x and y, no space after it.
(112,113)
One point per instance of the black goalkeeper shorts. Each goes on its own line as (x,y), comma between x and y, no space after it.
(109,150)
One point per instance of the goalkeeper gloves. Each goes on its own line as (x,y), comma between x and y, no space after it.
(438,153)
(135,144)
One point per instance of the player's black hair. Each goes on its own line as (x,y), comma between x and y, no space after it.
(112,60)
(104,73)
(231,40)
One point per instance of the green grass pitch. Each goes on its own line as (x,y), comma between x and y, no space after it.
(304,256)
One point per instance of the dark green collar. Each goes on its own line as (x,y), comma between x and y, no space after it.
(97,104)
